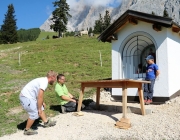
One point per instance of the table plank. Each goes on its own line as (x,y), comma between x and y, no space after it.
(114,84)
(114,81)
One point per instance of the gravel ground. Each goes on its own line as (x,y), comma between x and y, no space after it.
(162,124)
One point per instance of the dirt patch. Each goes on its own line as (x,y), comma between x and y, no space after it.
(24,116)
(12,49)
(17,82)
(2,55)
(66,73)
(15,110)
(6,94)
(76,64)
(7,69)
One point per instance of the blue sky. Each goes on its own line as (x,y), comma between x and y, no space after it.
(29,13)
(33,13)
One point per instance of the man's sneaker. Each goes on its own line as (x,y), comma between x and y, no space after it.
(50,123)
(148,101)
(30,132)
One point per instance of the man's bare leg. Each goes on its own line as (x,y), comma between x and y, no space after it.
(29,123)
(43,117)
(47,123)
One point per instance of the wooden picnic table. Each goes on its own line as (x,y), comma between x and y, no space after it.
(120,83)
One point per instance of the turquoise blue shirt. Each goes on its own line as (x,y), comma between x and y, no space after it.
(151,71)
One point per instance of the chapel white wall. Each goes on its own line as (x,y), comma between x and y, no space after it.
(173,48)
(161,88)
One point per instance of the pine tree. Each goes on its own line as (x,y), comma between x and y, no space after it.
(9,28)
(102,23)
(107,20)
(0,38)
(153,13)
(90,30)
(98,28)
(60,16)
(165,14)
(47,37)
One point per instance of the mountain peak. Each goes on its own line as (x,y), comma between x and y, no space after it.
(84,16)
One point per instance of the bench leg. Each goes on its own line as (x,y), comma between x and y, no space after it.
(124,122)
(124,100)
(97,98)
(80,99)
(141,99)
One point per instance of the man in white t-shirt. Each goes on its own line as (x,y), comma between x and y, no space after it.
(31,98)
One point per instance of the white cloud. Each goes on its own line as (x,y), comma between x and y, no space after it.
(73,3)
(48,10)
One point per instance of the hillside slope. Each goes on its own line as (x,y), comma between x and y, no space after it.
(77,58)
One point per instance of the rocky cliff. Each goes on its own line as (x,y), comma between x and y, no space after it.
(84,16)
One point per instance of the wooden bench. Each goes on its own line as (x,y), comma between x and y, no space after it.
(120,83)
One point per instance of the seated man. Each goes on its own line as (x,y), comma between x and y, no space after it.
(65,98)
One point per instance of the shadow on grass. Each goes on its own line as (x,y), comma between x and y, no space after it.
(56,108)
(35,125)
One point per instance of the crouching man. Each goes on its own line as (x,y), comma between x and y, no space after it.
(31,98)
(65,98)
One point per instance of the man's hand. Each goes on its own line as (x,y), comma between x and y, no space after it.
(39,112)
(73,100)
(67,98)
(44,105)
(70,95)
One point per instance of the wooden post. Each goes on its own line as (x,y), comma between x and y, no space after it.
(124,100)
(19,59)
(124,122)
(97,97)
(80,98)
(100,57)
(141,99)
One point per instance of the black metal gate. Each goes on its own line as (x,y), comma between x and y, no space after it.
(133,56)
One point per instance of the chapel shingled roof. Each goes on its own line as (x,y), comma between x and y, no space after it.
(132,17)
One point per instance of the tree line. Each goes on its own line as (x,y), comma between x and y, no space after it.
(9,33)
(28,35)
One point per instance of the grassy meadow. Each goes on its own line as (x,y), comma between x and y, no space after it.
(77,58)
(43,35)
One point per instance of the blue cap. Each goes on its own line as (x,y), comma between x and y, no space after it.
(149,57)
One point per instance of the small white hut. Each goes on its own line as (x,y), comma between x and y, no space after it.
(134,35)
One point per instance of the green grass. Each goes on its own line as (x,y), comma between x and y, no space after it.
(43,35)
(77,58)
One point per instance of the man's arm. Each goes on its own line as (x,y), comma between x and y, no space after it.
(157,73)
(40,100)
(67,98)
(70,95)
